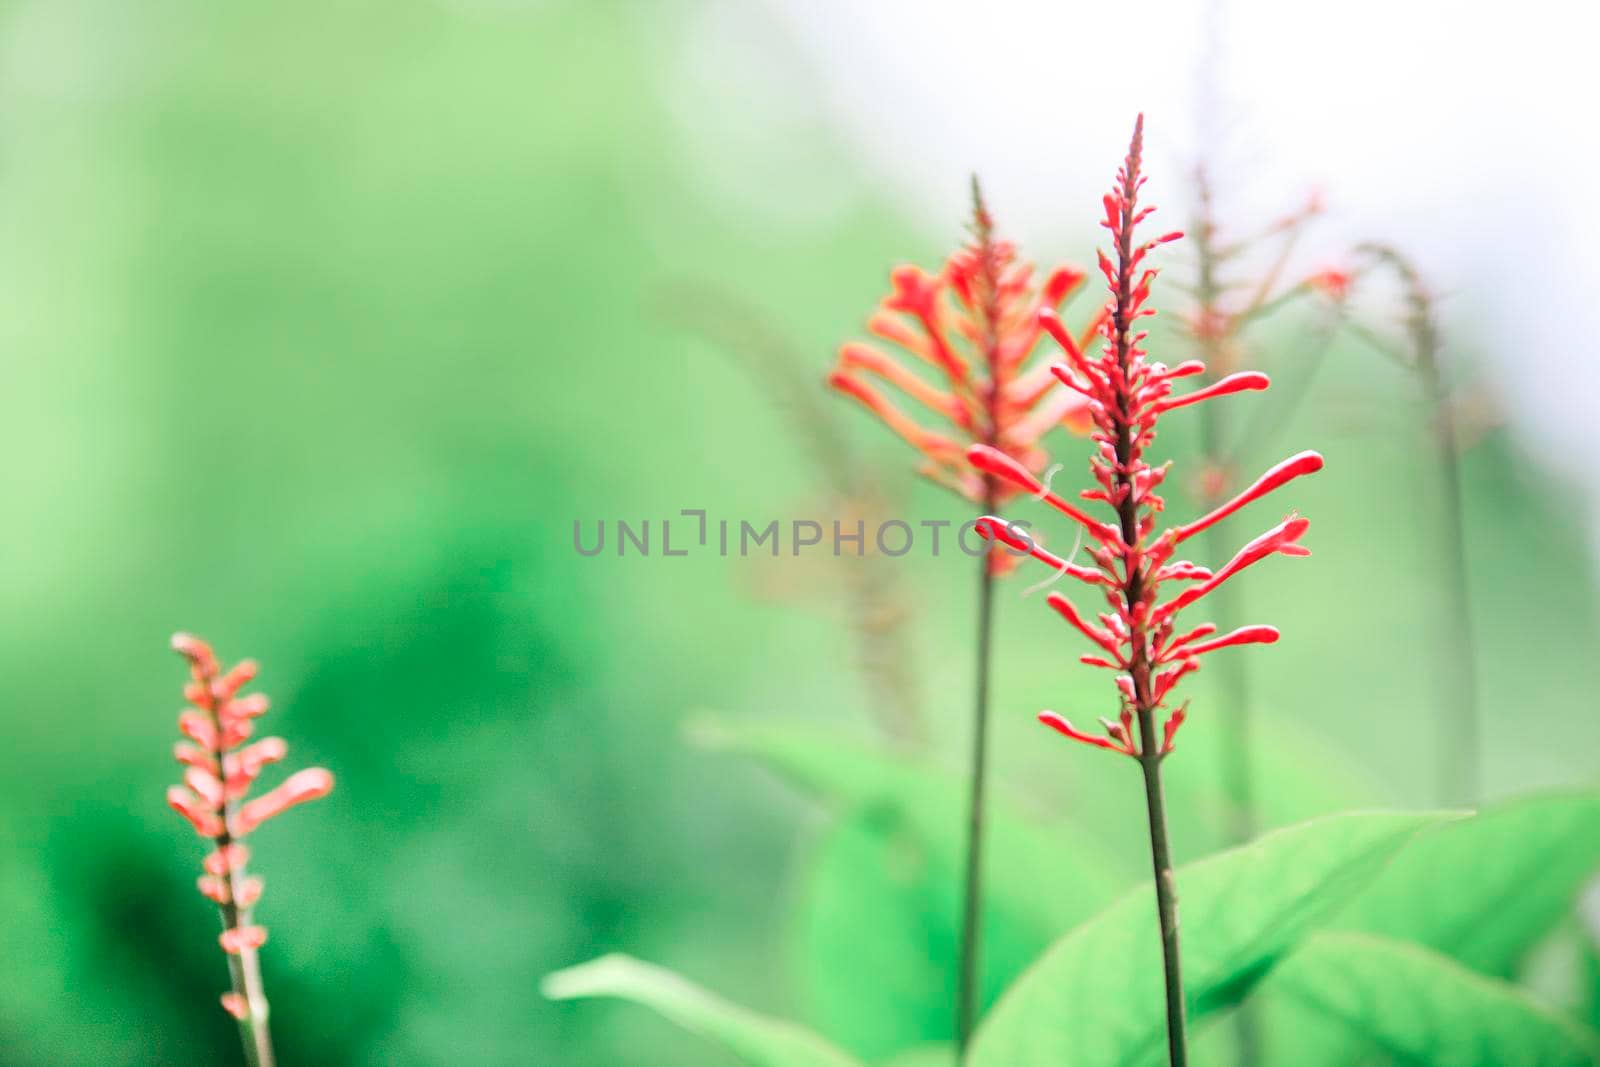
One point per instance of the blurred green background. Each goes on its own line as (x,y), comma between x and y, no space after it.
(325,322)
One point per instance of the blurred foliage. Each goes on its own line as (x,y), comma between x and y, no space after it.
(325,322)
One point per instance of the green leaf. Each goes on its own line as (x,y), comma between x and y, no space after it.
(1486,890)
(1424,1008)
(1095,999)
(758,1039)
(925,1056)
(874,942)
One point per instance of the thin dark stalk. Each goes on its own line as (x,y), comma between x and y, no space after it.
(1166,887)
(970,975)
(1459,730)
(244,967)
(1459,740)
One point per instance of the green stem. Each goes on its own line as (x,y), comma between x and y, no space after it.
(1458,722)
(970,976)
(1166,887)
(244,967)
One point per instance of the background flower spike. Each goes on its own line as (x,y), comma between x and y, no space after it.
(217,723)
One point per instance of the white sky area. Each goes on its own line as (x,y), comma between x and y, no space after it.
(1467,139)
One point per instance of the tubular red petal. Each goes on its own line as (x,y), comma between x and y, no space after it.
(1173,647)
(1244,635)
(1233,383)
(1281,538)
(1062,281)
(1066,610)
(250,707)
(993,461)
(1057,329)
(201,659)
(991,528)
(309,784)
(1170,730)
(236,679)
(206,822)
(1185,369)
(205,786)
(235,731)
(1066,729)
(198,728)
(893,417)
(212,888)
(193,756)
(243,766)
(234,1005)
(1287,471)
(856,356)
(1169,678)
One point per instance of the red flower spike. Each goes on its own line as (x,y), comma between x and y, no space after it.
(975,325)
(218,775)
(1125,394)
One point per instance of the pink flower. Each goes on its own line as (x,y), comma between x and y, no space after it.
(219,771)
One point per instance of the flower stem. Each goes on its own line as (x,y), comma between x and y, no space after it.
(1458,723)
(1166,886)
(245,971)
(970,975)
(1459,750)
(244,967)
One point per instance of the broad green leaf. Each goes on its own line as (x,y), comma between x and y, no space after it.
(1486,890)
(1424,1008)
(874,943)
(758,1039)
(1095,999)
(925,1056)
